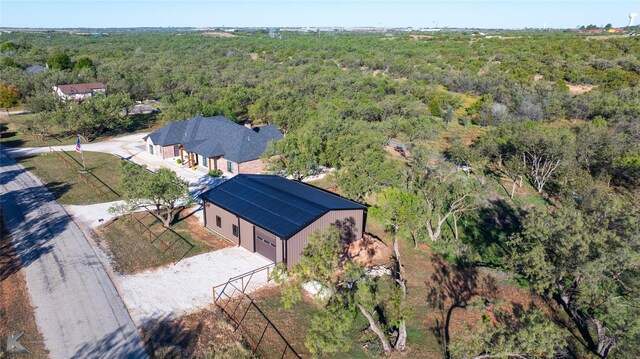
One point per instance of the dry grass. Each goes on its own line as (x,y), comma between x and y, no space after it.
(16,311)
(130,247)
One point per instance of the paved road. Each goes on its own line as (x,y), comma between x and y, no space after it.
(77,307)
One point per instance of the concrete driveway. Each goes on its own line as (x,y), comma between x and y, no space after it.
(187,286)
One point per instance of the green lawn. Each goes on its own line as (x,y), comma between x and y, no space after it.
(65,183)
(132,251)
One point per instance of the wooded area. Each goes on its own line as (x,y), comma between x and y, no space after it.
(506,166)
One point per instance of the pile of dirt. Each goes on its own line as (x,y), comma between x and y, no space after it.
(370,251)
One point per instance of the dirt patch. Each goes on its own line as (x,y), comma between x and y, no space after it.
(370,251)
(602,37)
(579,89)
(220,34)
(537,77)
(16,311)
(206,333)
(420,37)
(398,153)
(254,56)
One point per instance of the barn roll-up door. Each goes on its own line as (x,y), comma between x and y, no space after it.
(265,244)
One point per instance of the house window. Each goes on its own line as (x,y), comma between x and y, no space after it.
(176,151)
(235,230)
(229,166)
(218,221)
(151,149)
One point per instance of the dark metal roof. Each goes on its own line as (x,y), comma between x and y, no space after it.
(217,136)
(280,206)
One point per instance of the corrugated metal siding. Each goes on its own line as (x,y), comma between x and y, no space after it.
(227,218)
(246,235)
(279,249)
(297,243)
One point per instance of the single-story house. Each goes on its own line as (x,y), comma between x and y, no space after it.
(274,216)
(213,143)
(79,92)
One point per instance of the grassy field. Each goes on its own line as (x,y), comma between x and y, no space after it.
(130,247)
(65,183)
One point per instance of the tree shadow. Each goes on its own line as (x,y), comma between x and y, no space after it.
(453,286)
(170,335)
(117,344)
(13,142)
(488,229)
(31,215)
(204,184)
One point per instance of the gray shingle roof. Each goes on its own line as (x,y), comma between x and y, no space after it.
(35,69)
(281,206)
(217,136)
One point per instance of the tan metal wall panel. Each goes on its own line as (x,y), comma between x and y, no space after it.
(279,248)
(228,219)
(351,220)
(246,235)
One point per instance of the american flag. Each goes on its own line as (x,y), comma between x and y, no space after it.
(78,147)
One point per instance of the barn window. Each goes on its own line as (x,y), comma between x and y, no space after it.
(218,221)
(235,230)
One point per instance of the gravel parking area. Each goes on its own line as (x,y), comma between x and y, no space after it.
(187,286)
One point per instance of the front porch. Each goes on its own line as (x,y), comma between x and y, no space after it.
(205,164)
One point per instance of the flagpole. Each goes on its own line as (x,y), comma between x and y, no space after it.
(84,168)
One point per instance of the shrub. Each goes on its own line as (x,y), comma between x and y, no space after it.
(179,161)
(215,173)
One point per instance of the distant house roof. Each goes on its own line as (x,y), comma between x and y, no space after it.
(34,69)
(81,88)
(281,206)
(217,136)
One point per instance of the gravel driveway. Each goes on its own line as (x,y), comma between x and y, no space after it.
(188,285)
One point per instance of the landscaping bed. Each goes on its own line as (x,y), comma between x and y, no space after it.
(134,249)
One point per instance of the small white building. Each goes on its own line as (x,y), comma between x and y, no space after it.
(79,92)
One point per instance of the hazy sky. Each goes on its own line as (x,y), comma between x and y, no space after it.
(382,13)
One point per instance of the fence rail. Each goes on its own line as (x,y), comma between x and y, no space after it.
(164,247)
(263,336)
(83,176)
